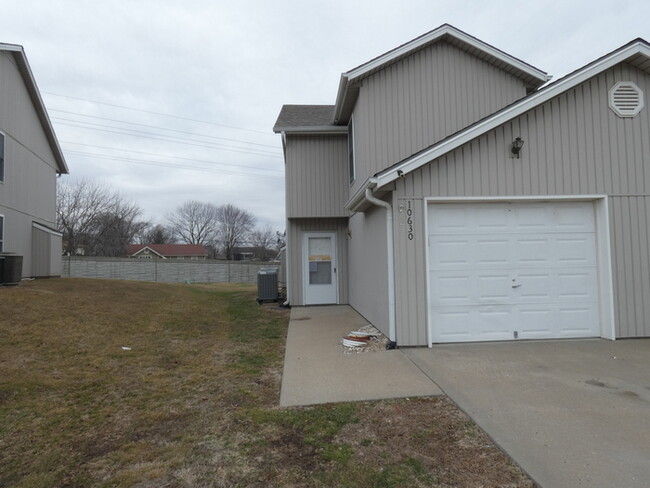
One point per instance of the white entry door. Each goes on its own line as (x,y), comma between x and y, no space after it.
(503,271)
(319,263)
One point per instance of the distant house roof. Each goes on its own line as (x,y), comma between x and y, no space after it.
(28,77)
(165,250)
(306,118)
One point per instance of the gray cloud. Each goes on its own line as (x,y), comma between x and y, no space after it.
(236,63)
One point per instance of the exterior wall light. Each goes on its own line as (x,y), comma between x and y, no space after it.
(515,147)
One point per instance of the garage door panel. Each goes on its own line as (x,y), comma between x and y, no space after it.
(534,285)
(450,252)
(573,321)
(530,219)
(460,324)
(574,217)
(577,285)
(524,269)
(450,219)
(572,250)
(455,325)
(532,250)
(535,322)
(493,219)
(452,289)
(492,287)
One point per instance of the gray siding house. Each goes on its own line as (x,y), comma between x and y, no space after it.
(30,160)
(453,194)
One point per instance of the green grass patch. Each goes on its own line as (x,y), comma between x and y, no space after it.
(317,425)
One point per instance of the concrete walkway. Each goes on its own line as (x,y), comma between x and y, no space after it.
(316,370)
(571,413)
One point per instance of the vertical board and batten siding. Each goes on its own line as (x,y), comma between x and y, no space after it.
(422,99)
(295,231)
(29,190)
(410,272)
(30,167)
(41,252)
(367,261)
(46,253)
(574,145)
(316,176)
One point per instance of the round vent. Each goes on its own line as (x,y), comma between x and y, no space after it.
(626,99)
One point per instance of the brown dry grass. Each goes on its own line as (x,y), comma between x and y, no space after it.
(193,402)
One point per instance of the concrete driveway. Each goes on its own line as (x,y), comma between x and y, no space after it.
(571,413)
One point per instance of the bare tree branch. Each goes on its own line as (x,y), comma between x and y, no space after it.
(234,228)
(95,219)
(194,222)
(264,242)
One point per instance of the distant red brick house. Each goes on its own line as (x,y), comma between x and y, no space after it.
(167,251)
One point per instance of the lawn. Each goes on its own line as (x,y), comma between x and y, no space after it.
(118,384)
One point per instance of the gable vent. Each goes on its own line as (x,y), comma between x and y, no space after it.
(626,99)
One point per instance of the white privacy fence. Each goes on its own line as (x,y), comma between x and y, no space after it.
(168,271)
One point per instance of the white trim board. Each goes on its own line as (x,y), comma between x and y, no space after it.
(603,248)
(47,229)
(333,235)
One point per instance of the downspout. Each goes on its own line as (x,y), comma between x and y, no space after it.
(390,263)
(287,230)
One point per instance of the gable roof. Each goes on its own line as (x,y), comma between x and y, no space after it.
(349,85)
(306,118)
(28,78)
(168,249)
(636,53)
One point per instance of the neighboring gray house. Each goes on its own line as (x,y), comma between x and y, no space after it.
(447,196)
(30,160)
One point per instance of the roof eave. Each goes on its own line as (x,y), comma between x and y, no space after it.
(305,130)
(39,105)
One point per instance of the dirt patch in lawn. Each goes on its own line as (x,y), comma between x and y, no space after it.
(117,384)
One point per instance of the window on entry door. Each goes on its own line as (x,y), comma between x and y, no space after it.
(320,260)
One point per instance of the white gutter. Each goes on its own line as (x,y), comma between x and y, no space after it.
(390,261)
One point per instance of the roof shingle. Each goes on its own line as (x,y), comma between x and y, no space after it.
(304,116)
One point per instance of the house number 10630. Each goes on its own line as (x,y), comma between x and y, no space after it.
(409,221)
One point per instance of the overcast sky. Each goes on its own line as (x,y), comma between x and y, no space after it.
(169,101)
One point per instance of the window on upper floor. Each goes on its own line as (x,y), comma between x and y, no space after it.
(2,233)
(2,157)
(351,166)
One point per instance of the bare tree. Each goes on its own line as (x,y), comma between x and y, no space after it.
(94,218)
(264,242)
(155,234)
(234,228)
(115,229)
(195,222)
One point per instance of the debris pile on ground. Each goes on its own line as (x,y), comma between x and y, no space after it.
(364,339)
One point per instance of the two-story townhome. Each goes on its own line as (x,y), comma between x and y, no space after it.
(30,160)
(453,194)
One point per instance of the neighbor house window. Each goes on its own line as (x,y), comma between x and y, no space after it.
(2,156)
(351,149)
(2,233)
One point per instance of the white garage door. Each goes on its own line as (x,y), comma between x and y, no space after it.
(503,271)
